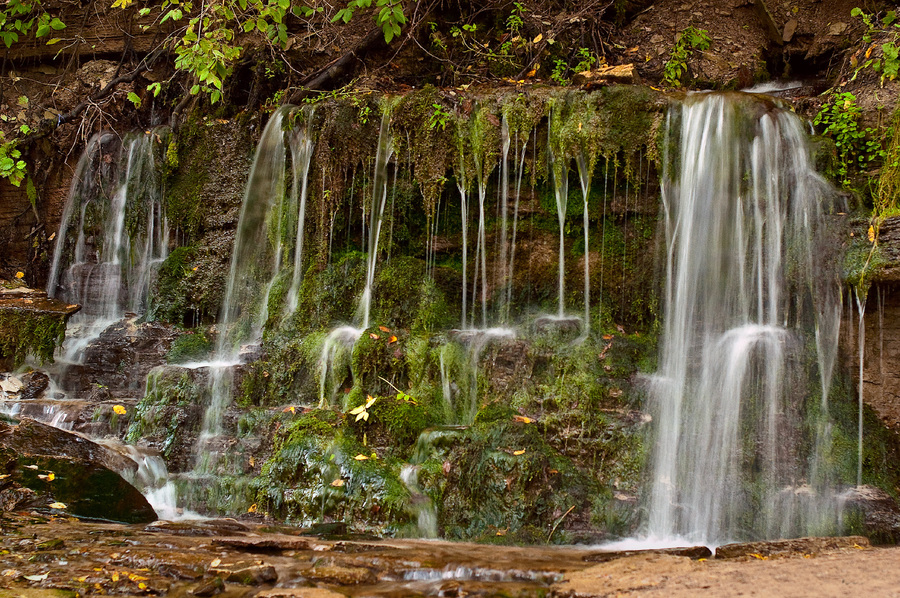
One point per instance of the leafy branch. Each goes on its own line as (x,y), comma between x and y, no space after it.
(390,17)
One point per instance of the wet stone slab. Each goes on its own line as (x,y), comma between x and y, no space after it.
(43,555)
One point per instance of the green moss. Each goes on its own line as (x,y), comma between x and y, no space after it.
(35,333)
(396,423)
(491,488)
(192,346)
(167,412)
(314,475)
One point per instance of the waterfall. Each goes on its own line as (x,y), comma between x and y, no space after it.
(342,338)
(742,210)
(301,144)
(120,238)
(560,169)
(376,213)
(255,265)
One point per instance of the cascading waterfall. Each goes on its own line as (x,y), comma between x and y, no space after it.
(301,144)
(255,264)
(122,236)
(742,210)
(584,175)
(342,338)
(560,169)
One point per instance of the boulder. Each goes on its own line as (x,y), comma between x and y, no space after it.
(64,467)
(878,511)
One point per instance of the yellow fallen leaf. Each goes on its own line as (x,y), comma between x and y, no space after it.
(759,556)
(142,586)
(701,560)
(292,409)
(374,336)
(82,579)
(252,508)
(523,418)
(370,400)
(530,73)
(136,577)
(384,329)
(115,576)
(871,234)
(194,269)
(538,38)
(215,562)
(58,505)
(48,478)
(36,577)
(393,339)
(118,409)
(20,275)
(519,452)
(10,573)
(501,532)
(338,483)
(3,476)
(361,457)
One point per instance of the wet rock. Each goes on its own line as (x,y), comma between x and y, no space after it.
(779,548)
(622,575)
(268,543)
(691,552)
(63,467)
(212,527)
(344,576)
(210,587)
(252,575)
(35,383)
(299,593)
(880,513)
(121,358)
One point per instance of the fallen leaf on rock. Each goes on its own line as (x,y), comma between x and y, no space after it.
(58,505)
(20,275)
(31,466)
(523,418)
(36,577)
(374,336)
(519,452)
(119,410)
(338,483)
(384,329)
(361,457)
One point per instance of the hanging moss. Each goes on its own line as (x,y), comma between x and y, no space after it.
(35,333)
(424,134)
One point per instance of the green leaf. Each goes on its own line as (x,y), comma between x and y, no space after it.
(195,90)
(155,88)
(42,30)
(249,26)
(262,25)
(134,99)
(144,12)
(56,24)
